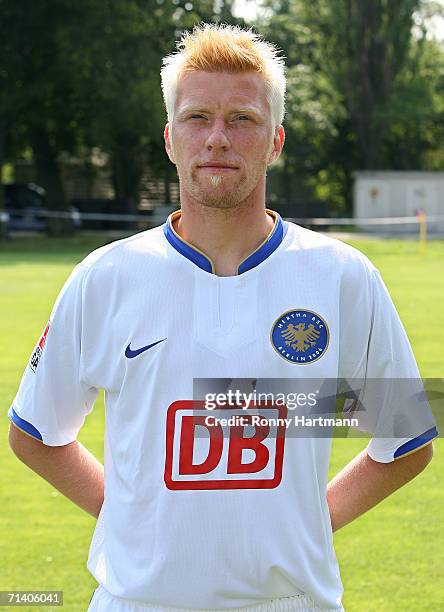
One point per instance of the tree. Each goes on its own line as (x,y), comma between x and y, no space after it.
(43,104)
(415,111)
(11,85)
(86,74)
(349,65)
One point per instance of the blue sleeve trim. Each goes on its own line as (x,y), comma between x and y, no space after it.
(24,425)
(409,446)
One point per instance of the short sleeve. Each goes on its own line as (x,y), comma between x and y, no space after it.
(53,400)
(393,405)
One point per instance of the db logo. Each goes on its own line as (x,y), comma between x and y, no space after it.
(223,448)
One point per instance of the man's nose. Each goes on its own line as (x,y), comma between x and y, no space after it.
(217,137)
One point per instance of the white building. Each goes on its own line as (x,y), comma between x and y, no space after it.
(400,193)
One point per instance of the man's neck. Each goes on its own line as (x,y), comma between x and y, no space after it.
(227,237)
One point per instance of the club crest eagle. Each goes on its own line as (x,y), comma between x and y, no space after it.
(299,337)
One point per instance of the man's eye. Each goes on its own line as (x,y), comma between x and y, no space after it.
(196,117)
(243,118)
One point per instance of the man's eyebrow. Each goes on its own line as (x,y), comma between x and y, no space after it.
(246,109)
(234,110)
(192,109)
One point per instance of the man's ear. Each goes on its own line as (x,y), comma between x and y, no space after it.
(278,144)
(168,144)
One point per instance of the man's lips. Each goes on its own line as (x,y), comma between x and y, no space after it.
(217,166)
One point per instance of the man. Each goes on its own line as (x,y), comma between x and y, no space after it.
(193,519)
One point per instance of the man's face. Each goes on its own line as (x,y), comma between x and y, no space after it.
(222,137)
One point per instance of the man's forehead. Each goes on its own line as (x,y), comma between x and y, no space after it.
(216,88)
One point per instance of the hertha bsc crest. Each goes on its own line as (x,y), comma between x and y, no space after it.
(300,336)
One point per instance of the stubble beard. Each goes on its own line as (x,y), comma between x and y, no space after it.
(216,194)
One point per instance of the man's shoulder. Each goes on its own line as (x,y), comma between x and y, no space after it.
(125,251)
(324,250)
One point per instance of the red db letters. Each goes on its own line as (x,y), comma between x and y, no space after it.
(223,448)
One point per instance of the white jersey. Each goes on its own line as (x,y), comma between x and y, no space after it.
(191,521)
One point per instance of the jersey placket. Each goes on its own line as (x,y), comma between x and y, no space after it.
(225,312)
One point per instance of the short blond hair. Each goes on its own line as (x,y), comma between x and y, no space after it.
(225,48)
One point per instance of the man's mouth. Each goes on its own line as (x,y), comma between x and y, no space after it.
(217,167)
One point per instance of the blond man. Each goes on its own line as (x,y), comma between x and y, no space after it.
(194,513)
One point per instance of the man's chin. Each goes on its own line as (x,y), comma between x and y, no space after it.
(222,200)
(218,193)
(218,198)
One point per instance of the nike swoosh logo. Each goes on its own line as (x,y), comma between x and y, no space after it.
(130,353)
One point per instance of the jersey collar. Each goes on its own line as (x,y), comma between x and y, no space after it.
(264,250)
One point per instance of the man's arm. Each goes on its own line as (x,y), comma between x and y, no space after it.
(71,469)
(363,483)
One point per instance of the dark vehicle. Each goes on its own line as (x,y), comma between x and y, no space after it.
(25,205)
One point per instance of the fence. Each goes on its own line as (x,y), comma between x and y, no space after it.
(15,220)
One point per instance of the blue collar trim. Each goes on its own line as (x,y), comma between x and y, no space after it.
(199,258)
(185,248)
(268,247)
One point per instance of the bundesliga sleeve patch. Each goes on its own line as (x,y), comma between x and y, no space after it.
(300,336)
(35,357)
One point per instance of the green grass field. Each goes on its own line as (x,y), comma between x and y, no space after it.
(391,559)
